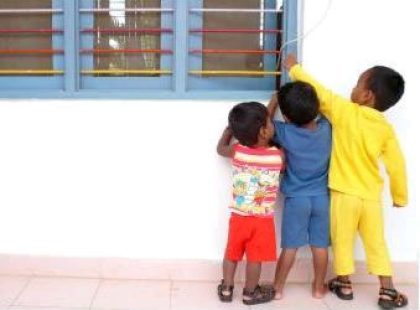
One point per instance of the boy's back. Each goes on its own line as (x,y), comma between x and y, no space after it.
(307,156)
(361,136)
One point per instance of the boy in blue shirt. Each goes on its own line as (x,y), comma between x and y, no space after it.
(306,140)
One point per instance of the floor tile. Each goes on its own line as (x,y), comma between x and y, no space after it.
(58,292)
(133,294)
(203,296)
(366,297)
(41,308)
(296,297)
(10,287)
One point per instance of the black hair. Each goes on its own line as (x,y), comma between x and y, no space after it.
(387,85)
(246,120)
(298,102)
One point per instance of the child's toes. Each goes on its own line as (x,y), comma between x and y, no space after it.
(278,295)
(319,293)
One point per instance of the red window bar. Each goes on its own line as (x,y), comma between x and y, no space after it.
(234,10)
(235,30)
(32,51)
(127,30)
(126,51)
(233,51)
(23,30)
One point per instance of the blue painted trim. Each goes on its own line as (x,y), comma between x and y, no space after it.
(140,95)
(290,31)
(180,60)
(70,23)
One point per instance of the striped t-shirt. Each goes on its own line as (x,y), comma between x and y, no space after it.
(256,174)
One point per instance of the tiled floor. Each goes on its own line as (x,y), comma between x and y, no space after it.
(21,293)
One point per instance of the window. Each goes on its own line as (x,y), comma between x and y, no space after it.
(236,47)
(126,44)
(31,44)
(143,48)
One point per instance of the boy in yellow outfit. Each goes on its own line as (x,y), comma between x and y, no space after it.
(361,136)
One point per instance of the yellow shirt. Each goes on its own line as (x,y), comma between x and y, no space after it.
(361,136)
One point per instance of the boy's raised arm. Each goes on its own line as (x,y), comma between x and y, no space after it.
(331,104)
(223,147)
(272,106)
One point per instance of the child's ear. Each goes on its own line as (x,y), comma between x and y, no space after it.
(369,97)
(264,132)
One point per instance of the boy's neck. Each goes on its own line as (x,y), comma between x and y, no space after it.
(368,104)
(312,125)
(262,143)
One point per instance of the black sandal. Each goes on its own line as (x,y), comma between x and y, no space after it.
(225,292)
(336,286)
(260,295)
(397,300)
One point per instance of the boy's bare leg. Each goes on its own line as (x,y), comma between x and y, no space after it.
(253,273)
(229,268)
(320,262)
(284,264)
(386,282)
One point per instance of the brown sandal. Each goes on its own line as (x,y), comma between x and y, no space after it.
(397,300)
(260,295)
(225,292)
(336,286)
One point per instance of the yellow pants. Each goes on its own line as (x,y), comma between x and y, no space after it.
(349,215)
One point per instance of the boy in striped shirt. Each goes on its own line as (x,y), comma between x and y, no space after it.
(256,171)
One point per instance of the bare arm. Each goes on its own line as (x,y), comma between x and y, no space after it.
(272,105)
(333,106)
(223,147)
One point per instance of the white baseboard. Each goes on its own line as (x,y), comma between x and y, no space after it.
(177,270)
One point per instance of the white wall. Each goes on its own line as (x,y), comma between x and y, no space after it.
(142,179)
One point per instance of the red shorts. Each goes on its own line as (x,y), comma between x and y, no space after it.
(252,235)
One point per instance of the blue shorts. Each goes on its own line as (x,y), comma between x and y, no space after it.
(306,221)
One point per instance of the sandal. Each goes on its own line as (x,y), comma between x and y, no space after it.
(336,286)
(225,292)
(260,295)
(397,300)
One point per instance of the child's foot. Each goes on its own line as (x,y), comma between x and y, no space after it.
(278,292)
(225,292)
(319,292)
(259,295)
(341,287)
(390,298)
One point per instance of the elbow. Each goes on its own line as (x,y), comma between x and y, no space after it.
(219,150)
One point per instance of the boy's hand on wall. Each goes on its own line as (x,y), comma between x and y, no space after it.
(290,61)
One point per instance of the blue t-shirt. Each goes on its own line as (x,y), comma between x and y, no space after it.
(307,158)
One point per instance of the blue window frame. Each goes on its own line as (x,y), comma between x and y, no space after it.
(181,84)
